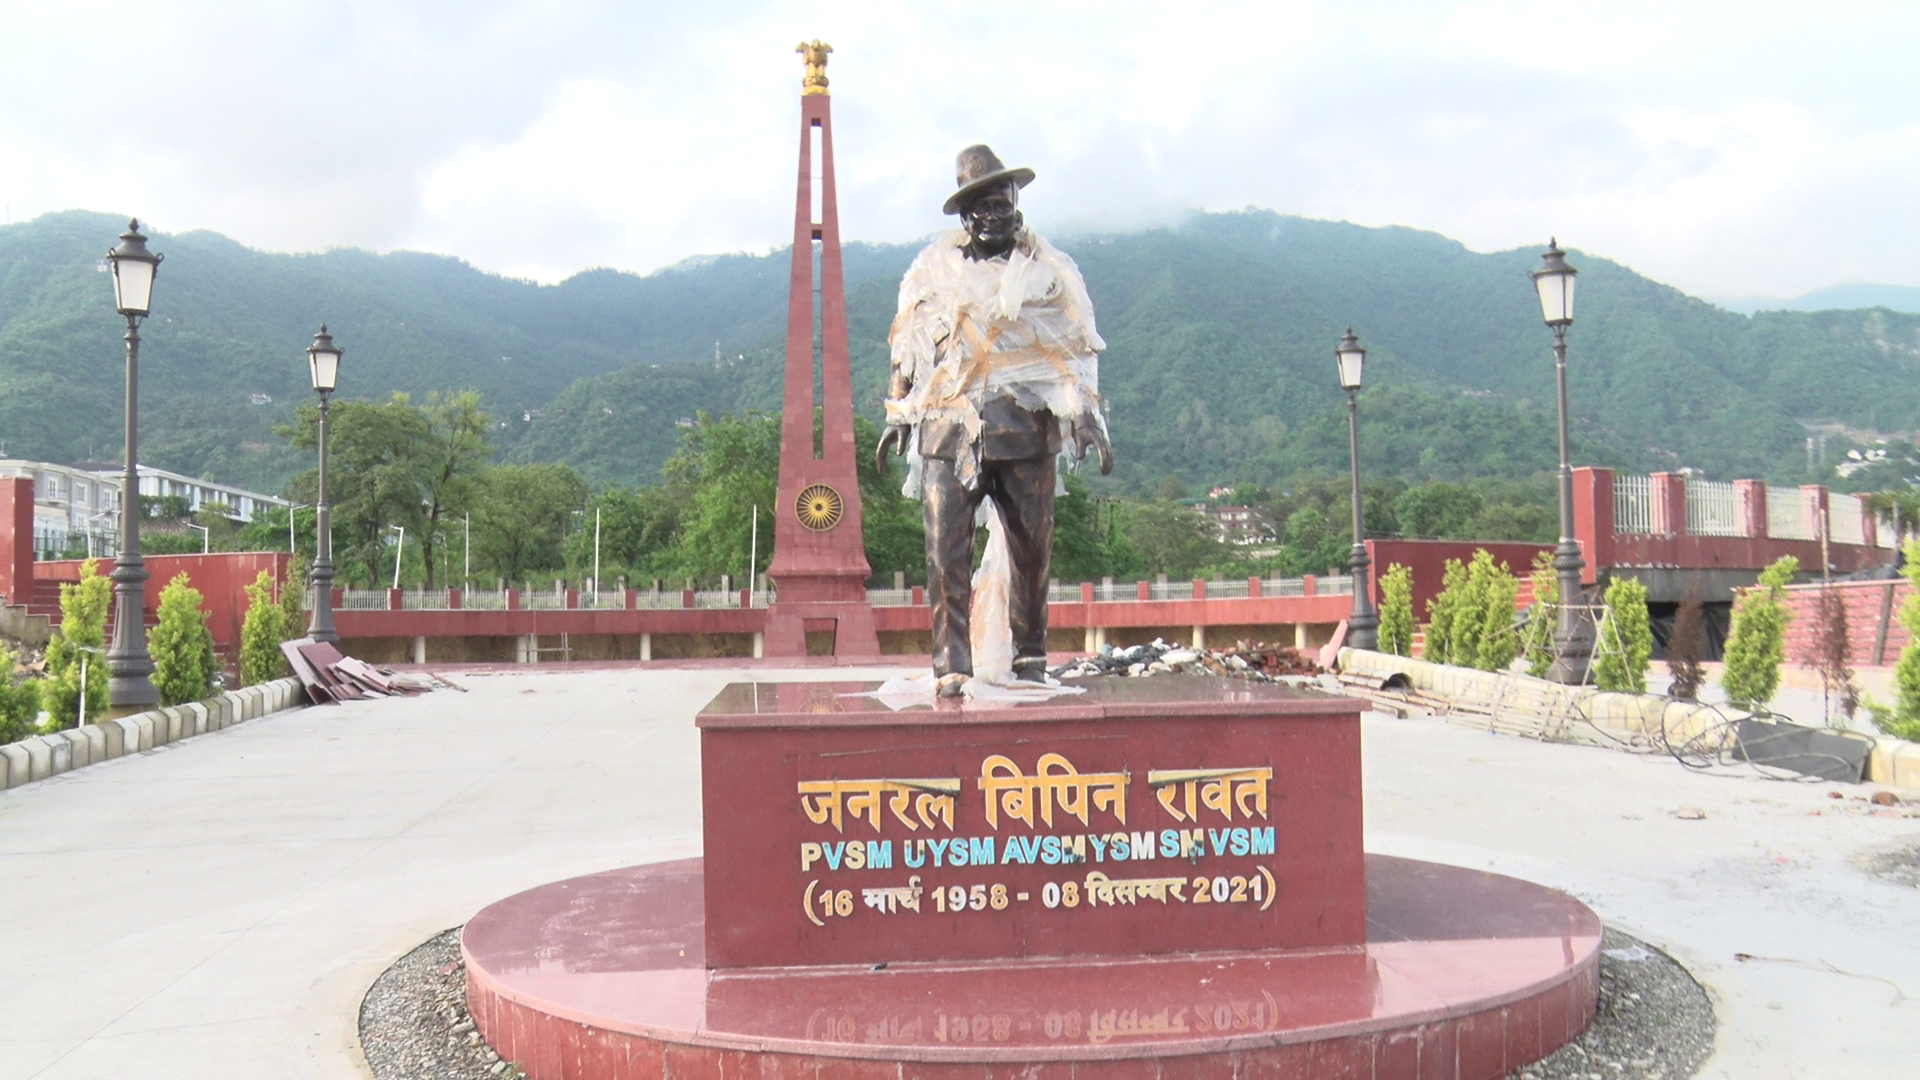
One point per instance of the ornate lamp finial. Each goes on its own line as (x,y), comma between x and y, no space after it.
(815,52)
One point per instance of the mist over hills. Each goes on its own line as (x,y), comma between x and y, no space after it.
(1219,368)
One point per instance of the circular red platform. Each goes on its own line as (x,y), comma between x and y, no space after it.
(1465,975)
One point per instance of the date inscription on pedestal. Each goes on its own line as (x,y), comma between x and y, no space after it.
(1056,841)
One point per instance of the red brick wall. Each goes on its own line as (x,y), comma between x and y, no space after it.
(222,578)
(1866,603)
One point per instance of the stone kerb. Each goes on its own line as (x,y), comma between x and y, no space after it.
(1893,762)
(41,756)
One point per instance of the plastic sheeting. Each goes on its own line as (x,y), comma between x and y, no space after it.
(971,330)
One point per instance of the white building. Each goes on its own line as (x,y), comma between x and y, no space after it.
(75,507)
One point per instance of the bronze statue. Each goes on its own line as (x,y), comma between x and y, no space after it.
(995,369)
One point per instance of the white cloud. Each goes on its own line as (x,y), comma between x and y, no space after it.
(1727,148)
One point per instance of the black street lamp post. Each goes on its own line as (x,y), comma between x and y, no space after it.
(130,669)
(1363,626)
(1571,644)
(323,358)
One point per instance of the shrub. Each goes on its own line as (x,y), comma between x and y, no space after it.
(19,700)
(82,637)
(1544,620)
(1757,646)
(1472,618)
(293,598)
(1686,648)
(1441,611)
(1902,720)
(1497,592)
(182,646)
(1625,641)
(1396,611)
(264,628)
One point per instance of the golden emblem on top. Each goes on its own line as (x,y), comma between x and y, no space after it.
(816,53)
(819,508)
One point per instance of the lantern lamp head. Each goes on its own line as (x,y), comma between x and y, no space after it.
(323,357)
(134,268)
(1352,359)
(1554,280)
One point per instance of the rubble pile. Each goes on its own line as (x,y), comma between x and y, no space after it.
(1258,661)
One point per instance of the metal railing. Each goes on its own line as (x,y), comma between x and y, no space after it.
(1633,504)
(1787,517)
(1846,519)
(1119,592)
(1713,509)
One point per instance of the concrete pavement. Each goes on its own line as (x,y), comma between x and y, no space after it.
(216,908)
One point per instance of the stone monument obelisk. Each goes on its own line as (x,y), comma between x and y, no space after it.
(819,554)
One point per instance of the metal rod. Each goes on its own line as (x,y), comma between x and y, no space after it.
(1363,626)
(320,625)
(130,669)
(1571,645)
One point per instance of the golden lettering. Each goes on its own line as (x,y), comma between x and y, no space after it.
(831,801)
(1220,790)
(1055,783)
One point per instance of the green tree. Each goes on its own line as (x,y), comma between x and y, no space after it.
(453,450)
(893,526)
(1625,644)
(379,455)
(1311,546)
(1498,592)
(182,646)
(261,633)
(1437,510)
(1443,612)
(1470,617)
(82,635)
(19,699)
(1396,610)
(1171,539)
(726,466)
(1543,620)
(1756,647)
(521,518)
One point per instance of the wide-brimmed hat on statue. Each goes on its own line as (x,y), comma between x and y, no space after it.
(979,168)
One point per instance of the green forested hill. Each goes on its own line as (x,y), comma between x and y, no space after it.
(1219,365)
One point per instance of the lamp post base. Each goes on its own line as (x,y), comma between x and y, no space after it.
(132,694)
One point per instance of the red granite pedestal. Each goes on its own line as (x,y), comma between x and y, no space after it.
(1159,877)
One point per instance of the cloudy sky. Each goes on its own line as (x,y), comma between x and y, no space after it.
(1728,148)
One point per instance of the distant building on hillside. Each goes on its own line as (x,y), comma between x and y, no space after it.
(1242,525)
(77,507)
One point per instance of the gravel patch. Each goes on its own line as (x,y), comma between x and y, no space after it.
(1654,1021)
(1900,866)
(414,1023)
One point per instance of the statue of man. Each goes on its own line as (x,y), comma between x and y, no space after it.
(995,370)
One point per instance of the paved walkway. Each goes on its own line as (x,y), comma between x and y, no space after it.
(217,908)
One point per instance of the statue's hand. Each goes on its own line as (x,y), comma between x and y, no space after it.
(894,441)
(1087,434)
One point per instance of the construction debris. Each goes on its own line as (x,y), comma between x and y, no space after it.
(330,678)
(1257,661)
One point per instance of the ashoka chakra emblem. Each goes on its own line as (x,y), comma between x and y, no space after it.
(819,508)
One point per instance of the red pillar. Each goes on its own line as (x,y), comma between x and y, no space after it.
(1593,519)
(1753,503)
(1669,504)
(819,552)
(16,542)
